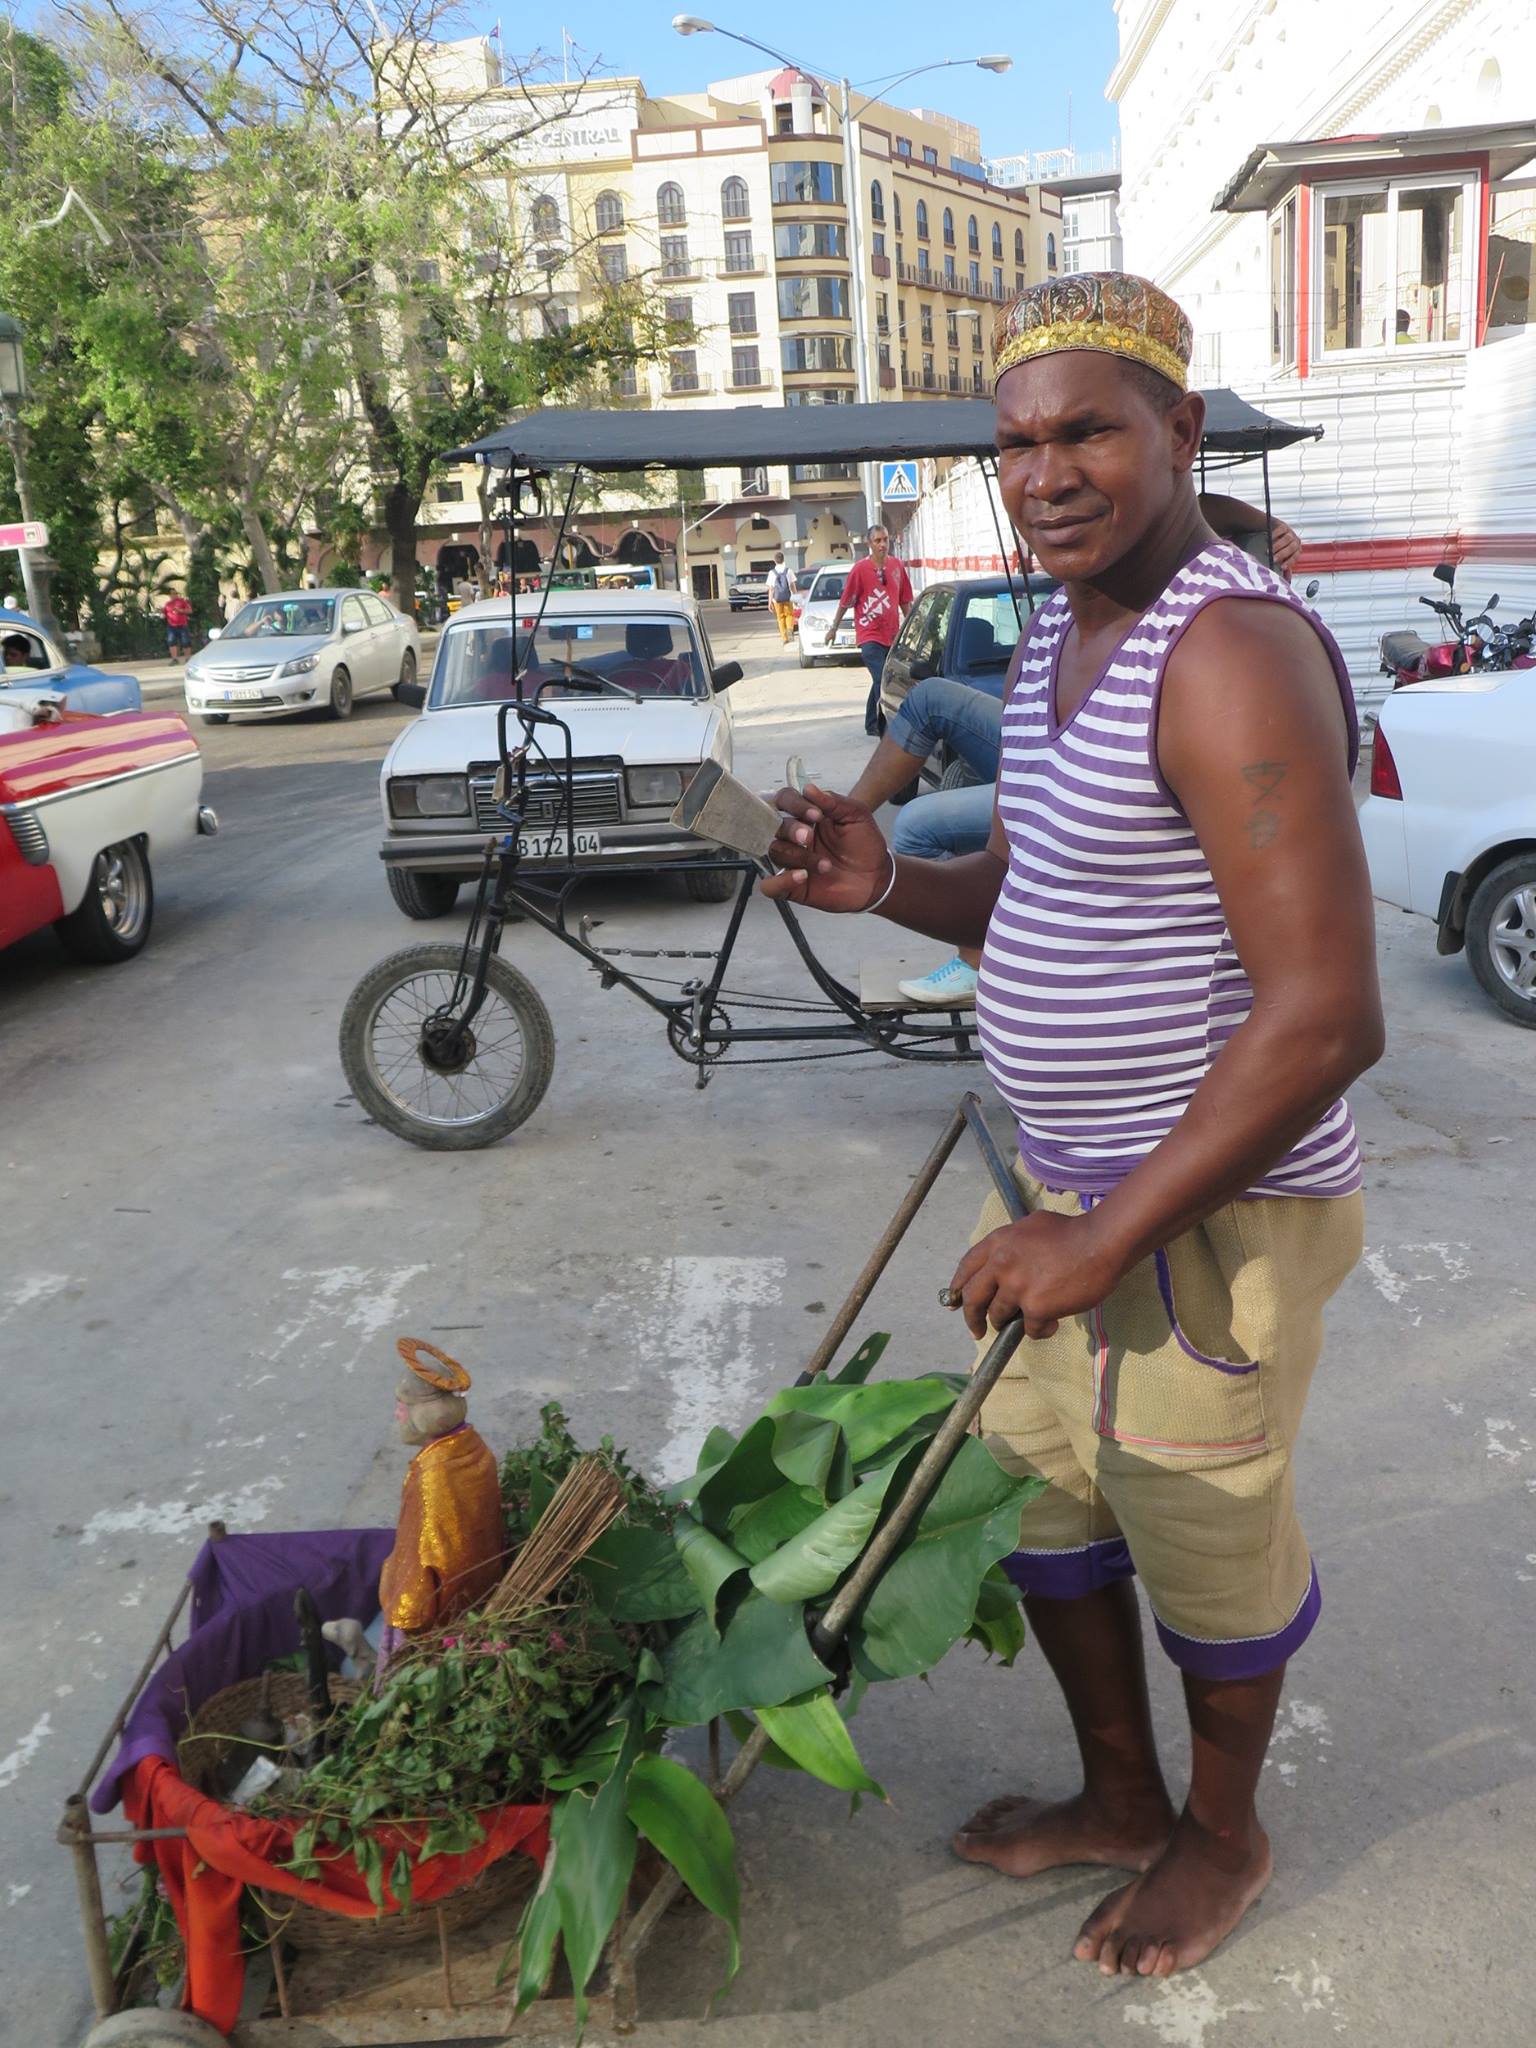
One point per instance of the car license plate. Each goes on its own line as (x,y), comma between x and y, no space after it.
(243,696)
(557,845)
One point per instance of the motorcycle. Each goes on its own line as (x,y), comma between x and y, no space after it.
(1476,644)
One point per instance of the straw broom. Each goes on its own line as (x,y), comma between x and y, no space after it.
(586,1502)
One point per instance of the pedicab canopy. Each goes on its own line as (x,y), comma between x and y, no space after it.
(710,437)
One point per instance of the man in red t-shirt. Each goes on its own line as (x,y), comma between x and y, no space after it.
(177,614)
(881,596)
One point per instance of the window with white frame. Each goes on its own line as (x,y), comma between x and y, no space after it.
(735,200)
(1282,284)
(671,207)
(1511,259)
(1394,265)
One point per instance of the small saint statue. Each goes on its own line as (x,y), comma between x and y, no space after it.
(449,1539)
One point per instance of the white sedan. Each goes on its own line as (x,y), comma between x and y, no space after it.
(303,650)
(632,676)
(817,608)
(1450,823)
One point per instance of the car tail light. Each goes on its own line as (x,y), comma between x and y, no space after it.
(1385,780)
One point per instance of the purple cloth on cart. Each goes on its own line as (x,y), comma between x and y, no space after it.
(242,1617)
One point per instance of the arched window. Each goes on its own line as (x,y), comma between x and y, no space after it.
(896,210)
(671,207)
(922,220)
(1018,246)
(876,202)
(735,200)
(546,219)
(973,236)
(997,243)
(1050,252)
(949,229)
(608,213)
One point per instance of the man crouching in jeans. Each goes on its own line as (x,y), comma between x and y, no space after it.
(1177,983)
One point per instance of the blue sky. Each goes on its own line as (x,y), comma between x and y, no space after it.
(1056,50)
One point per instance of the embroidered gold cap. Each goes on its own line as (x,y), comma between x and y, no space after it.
(1110,312)
(449,1378)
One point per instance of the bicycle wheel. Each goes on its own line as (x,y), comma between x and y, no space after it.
(498,1077)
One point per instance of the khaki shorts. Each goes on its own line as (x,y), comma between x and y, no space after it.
(1163,1424)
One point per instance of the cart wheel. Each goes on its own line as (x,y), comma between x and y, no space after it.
(148,2027)
(494,1084)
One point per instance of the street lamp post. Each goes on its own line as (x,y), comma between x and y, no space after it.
(865,386)
(35,565)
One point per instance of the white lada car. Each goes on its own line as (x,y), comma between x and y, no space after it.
(630,672)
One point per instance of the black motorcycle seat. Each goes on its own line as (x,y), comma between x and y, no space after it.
(1405,649)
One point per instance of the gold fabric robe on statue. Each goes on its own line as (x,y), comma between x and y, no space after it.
(449,1539)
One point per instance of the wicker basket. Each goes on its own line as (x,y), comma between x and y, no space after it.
(211,1739)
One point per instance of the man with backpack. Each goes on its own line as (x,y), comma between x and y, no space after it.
(781,595)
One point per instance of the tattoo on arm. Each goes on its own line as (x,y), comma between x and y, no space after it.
(1264,779)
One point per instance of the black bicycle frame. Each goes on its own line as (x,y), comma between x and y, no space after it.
(691,1015)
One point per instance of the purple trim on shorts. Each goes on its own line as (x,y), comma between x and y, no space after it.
(1165,1289)
(1069,1574)
(1250,1657)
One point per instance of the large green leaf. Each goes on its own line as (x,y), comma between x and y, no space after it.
(870,1417)
(814,1561)
(537,1933)
(709,1563)
(863,1361)
(811,1451)
(999,1622)
(747,1474)
(636,1575)
(593,1844)
(762,1525)
(925,1599)
(814,1734)
(762,1657)
(682,1819)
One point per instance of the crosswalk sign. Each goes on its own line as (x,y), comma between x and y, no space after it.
(898,483)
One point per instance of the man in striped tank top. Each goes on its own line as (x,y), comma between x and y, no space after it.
(1177,985)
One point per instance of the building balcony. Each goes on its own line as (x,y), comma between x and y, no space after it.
(760,380)
(880,265)
(887,377)
(824,479)
(697,384)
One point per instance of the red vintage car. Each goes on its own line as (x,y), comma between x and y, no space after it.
(84,803)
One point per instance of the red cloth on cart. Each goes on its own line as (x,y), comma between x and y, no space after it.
(225,1849)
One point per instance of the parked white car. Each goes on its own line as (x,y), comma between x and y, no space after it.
(630,672)
(303,650)
(1450,823)
(816,617)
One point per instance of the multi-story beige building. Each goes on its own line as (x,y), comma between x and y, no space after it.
(731,205)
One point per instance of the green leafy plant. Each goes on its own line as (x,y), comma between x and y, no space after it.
(763,1535)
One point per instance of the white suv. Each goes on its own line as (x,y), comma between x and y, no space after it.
(630,672)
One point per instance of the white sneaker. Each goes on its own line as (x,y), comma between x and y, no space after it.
(950,987)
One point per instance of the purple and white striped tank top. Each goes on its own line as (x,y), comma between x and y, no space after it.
(1110,982)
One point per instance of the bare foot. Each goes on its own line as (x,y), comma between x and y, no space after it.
(1184,1906)
(1022,1837)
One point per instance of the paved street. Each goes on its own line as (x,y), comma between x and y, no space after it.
(209,1254)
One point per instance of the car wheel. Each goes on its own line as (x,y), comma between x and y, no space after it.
(215,718)
(407,673)
(341,694)
(422,895)
(711,885)
(1501,937)
(113,920)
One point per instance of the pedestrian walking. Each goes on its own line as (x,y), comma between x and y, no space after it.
(781,595)
(1177,983)
(879,593)
(177,614)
